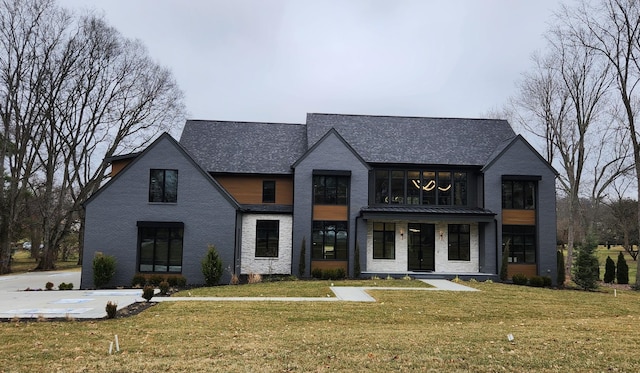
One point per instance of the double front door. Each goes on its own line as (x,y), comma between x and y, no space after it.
(422,240)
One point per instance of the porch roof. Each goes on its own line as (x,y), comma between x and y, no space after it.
(449,213)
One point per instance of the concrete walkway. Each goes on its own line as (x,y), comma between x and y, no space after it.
(15,302)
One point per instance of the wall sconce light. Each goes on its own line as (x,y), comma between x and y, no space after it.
(441,235)
(401,234)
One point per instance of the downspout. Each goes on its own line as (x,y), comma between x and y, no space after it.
(498,252)
(237,244)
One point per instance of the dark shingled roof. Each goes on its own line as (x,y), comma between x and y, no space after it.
(244,147)
(386,139)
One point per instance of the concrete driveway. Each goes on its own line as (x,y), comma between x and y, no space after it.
(15,301)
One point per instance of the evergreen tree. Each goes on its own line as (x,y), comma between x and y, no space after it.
(212,267)
(561,271)
(586,267)
(623,270)
(505,262)
(302,266)
(356,261)
(609,271)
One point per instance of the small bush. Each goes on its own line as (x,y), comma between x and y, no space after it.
(586,266)
(519,279)
(333,274)
(316,273)
(139,280)
(547,281)
(148,292)
(156,279)
(49,285)
(65,286)
(235,280)
(164,287)
(212,267)
(536,281)
(181,281)
(254,278)
(104,267)
(111,309)
(407,277)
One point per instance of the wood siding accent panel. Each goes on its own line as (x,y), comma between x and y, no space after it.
(330,212)
(329,264)
(117,166)
(247,189)
(519,217)
(528,270)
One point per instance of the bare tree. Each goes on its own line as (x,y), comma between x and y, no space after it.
(611,28)
(99,94)
(561,102)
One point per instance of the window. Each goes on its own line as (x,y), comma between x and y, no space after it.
(160,247)
(267,236)
(459,242)
(384,240)
(522,243)
(330,190)
(163,186)
(518,194)
(414,187)
(329,240)
(268,191)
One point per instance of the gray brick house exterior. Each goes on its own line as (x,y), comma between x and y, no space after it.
(428,197)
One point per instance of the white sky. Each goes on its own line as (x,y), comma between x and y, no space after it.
(275,61)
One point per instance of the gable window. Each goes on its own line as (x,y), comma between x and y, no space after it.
(163,186)
(160,247)
(268,191)
(267,238)
(384,240)
(415,187)
(329,240)
(330,189)
(522,243)
(459,242)
(519,194)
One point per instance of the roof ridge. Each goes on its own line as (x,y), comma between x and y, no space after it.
(406,116)
(243,122)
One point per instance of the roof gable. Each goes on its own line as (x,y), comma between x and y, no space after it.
(386,139)
(331,132)
(504,147)
(166,137)
(244,147)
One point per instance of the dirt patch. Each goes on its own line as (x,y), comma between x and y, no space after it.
(134,309)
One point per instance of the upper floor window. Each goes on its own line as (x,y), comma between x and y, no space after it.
(519,194)
(330,190)
(267,238)
(415,187)
(459,242)
(163,185)
(268,191)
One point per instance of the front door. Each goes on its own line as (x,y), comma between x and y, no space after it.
(422,244)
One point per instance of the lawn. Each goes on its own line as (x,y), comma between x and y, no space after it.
(23,262)
(553,330)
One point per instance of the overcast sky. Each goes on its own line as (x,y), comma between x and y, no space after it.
(275,61)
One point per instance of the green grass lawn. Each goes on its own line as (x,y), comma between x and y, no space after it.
(554,331)
(23,262)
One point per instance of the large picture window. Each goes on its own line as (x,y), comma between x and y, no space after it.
(459,242)
(163,186)
(518,194)
(329,240)
(330,190)
(160,247)
(267,238)
(426,187)
(522,243)
(384,240)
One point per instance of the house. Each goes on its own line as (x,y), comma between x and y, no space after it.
(430,197)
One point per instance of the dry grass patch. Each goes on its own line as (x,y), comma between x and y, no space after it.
(555,331)
(314,288)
